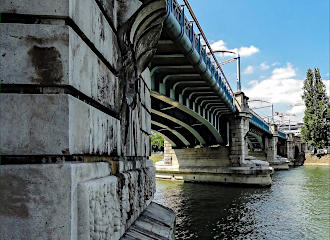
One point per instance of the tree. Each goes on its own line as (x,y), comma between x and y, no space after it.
(157,142)
(316,127)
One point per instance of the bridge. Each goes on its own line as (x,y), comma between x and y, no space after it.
(193,105)
(83,83)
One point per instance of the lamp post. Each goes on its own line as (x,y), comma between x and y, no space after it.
(238,63)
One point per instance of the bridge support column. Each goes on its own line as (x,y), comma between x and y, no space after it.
(209,164)
(239,127)
(290,149)
(168,153)
(72,200)
(271,148)
(75,117)
(223,164)
(275,161)
(295,150)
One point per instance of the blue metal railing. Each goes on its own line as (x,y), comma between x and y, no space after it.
(282,134)
(262,124)
(187,28)
(259,122)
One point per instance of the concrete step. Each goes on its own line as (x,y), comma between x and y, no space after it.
(156,222)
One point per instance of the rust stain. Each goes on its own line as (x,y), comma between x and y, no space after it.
(47,63)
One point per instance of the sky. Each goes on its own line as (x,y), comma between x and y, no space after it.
(278,41)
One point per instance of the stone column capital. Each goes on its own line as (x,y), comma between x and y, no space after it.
(241,102)
(274,129)
(244,114)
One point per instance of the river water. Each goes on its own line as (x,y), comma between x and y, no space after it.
(296,206)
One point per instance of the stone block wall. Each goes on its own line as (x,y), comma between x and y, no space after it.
(239,127)
(75,117)
(290,150)
(168,154)
(61,87)
(71,200)
(196,157)
(271,148)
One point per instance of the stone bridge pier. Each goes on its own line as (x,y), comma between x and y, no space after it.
(278,162)
(278,152)
(223,164)
(295,150)
(75,120)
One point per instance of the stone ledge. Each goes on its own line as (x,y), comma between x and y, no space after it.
(156,222)
(216,170)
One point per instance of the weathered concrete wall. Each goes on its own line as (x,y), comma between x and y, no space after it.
(230,164)
(271,148)
(64,125)
(71,200)
(75,86)
(90,50)
(198,157)
(239,127)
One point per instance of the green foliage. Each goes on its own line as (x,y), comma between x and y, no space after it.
(157,142)
(315,129)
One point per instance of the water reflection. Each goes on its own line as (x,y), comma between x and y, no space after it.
(297,206)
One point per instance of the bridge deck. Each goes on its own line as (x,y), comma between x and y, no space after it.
(190,93)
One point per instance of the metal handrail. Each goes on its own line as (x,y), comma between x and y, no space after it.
(282,134)
(187,29)
(186,2)
(259,117)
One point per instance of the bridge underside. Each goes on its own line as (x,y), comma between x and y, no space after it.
(256,138)
(187,108)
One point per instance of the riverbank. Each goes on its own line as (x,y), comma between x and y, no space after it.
(313,160)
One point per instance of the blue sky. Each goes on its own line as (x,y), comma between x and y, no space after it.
(281,39)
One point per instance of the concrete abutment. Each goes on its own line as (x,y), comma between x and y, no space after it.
(222,164)
(75,115)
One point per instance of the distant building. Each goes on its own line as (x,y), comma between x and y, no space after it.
(292,128)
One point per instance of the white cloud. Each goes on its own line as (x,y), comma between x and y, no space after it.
(249,70)
(296,110)
(243,51)
(263,66)
(296,113)
(275,64)
(219,45)
(280,87)
(253,82)
(248,51)
(284,73)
